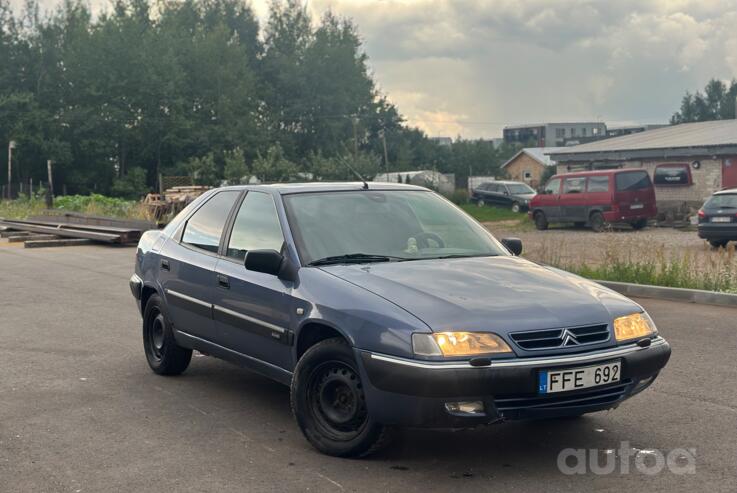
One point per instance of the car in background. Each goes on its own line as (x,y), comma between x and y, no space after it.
(596,199)
(718,218)
(504,194)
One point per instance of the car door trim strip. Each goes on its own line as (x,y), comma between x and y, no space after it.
(247,318)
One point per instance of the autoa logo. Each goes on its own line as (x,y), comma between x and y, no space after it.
(569,339)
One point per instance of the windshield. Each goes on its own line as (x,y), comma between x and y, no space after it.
(520,189)
(395,225)
(722,202)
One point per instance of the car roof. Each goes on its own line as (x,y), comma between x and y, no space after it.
(506,182)
(601,172)
(292,188)
(727,191)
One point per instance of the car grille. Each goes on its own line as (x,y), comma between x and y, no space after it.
(512,405)
(556,338)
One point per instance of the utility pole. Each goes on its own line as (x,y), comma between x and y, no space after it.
(382,134)
(355,139)
(11,146)
(50,191)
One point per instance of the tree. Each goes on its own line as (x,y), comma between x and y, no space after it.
(717,102)
(235,166)
(274,166)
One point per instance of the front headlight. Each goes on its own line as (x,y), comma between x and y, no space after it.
(458,344)
(633,326)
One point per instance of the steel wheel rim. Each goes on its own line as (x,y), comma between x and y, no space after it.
(155,333)
(336,400)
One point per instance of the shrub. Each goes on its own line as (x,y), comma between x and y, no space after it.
(459,196)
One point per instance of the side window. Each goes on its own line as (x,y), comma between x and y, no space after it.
(574,185)
(256,226)
(598,184)
(204,228)
(553,186)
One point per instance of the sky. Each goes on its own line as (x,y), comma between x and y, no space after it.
(469,67)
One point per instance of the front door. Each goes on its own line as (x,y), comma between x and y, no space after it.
(188,266)
(729,172)
(550,200)
(252,309)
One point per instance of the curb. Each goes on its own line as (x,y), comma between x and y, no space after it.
(673,294)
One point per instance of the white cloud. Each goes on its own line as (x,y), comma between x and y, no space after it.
(472,66)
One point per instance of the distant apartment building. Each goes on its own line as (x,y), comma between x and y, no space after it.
(632,129)
(555,134)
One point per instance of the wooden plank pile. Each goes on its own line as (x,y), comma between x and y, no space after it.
(172,201)
(68,228)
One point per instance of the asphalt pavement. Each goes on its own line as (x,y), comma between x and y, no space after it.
(81,411)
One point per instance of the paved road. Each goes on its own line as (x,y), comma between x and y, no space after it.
(80,410)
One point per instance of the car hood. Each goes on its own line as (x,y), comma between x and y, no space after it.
(501,294)
(525,196)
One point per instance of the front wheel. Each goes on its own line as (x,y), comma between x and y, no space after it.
(515,207)
(163,354)
(597,222)
(480,203)
(541,222)
(329,405)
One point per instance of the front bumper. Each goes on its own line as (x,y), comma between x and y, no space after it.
(413,393)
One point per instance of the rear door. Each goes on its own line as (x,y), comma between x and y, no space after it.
(634,194)
(188,264)
(573,199)
(252,309)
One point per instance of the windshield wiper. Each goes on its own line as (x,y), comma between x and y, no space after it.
(462,255)
(354,258)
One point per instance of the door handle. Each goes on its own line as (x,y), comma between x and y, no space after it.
(223,281)
(164,264)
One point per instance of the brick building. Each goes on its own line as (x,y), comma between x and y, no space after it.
(529,165)
(687,162)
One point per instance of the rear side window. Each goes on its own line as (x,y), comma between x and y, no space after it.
(632,181)
(598,184)
(574,185)
(553,186)
(256,226)
(204,228)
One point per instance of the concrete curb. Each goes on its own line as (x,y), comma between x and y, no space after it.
(673,294)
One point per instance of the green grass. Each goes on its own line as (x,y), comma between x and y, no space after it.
(489,214)
(94,204)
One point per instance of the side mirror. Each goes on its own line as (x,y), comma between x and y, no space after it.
(270,262)
(514,245)
(266,261)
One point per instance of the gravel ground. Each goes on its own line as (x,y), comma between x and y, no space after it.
(582,245)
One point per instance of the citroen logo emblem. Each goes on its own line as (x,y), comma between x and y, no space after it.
(569,339)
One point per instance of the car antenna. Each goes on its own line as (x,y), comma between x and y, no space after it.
(365,183)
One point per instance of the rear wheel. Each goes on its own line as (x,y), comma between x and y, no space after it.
(718,243)
(541,222)
(329,403)
(639,224)
(597,222)
(163,354)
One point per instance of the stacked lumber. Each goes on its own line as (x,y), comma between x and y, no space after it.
(59,229)
(173,200)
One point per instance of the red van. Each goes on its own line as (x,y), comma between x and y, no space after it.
(595,198)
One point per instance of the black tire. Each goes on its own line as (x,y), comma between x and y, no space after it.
(718,243)
(329,405)
(163,354)
(597,222)
(639,224)
(541,222)
(516,207)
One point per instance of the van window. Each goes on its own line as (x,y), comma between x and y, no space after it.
(574,185)
(633,180)
(553,186)
(598,184)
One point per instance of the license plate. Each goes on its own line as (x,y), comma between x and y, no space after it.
(721,219)
(551,381)
(637,206)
